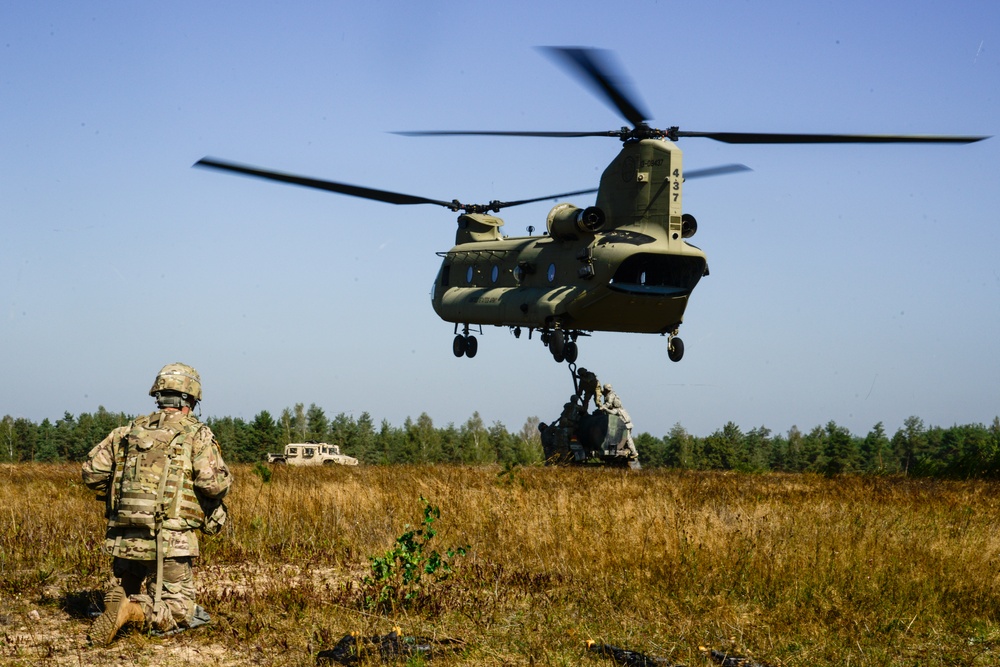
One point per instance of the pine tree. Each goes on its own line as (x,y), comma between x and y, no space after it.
(363,444)
(723,448)
(813,446)
(677,451)
(910,444)
(876,454)
(501,444)
(265,435)
(757,445)
(839,450)
(317,425)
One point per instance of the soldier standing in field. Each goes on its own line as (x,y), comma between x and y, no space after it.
(162,477)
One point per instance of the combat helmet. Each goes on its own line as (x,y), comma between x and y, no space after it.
(179,378)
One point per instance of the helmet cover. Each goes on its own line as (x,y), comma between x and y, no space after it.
(180,378)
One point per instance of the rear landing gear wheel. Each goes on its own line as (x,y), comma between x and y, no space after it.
(471,346)
(675,349)
(458,346)
(570,352)
(558,343)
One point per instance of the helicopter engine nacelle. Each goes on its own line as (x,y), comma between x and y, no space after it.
(566,221)
(689,226)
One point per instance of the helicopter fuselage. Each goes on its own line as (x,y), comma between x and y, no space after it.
(623,265)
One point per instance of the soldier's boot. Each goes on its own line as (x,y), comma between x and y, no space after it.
(118,610)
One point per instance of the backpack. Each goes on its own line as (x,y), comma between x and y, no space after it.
(152,481)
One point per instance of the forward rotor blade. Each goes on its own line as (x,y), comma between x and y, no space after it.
(596,68)
(780,138)
(513,133)
(331,186)
(507,204)
(721,170)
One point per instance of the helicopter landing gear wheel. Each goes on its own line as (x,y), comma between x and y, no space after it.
(465,346)
(557,343)
(675,348)
(570,352)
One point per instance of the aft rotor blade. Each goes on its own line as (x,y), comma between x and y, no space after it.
(781,138)
(596,68)
(721,170)
(531,201)
(331,186)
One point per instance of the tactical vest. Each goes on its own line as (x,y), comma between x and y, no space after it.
(152,485)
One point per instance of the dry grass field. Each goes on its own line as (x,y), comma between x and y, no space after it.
(789,570)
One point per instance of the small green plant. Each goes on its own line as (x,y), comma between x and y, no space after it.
(400,577)
(509,477)
(262,471)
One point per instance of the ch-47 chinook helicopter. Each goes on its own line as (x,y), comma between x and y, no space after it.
(624,264)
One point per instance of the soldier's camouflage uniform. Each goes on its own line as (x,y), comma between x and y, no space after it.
(590,387)
(613,405)
(206,479)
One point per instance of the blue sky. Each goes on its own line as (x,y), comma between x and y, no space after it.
(850,283)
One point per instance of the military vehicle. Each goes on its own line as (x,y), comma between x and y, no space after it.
(624,264)
(312,454)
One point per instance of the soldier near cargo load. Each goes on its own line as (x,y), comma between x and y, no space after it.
(557,438)
(613,405)
(589,388)
(566,425)
(609,396)
(162,477)
(570,416)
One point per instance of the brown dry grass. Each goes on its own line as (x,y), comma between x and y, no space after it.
(793,570)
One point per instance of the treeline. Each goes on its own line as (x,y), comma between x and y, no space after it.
(971,450)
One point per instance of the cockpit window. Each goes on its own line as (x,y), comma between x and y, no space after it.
(660,271)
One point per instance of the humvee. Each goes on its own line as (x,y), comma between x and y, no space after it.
(312,454)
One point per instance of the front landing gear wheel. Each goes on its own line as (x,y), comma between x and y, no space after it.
(465,346)
(675,349)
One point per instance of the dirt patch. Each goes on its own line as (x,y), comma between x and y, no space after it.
(33,635)
(52,630)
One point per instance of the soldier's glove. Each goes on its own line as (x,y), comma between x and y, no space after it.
(215,519)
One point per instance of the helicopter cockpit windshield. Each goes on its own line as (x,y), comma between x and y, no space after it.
(648,273)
